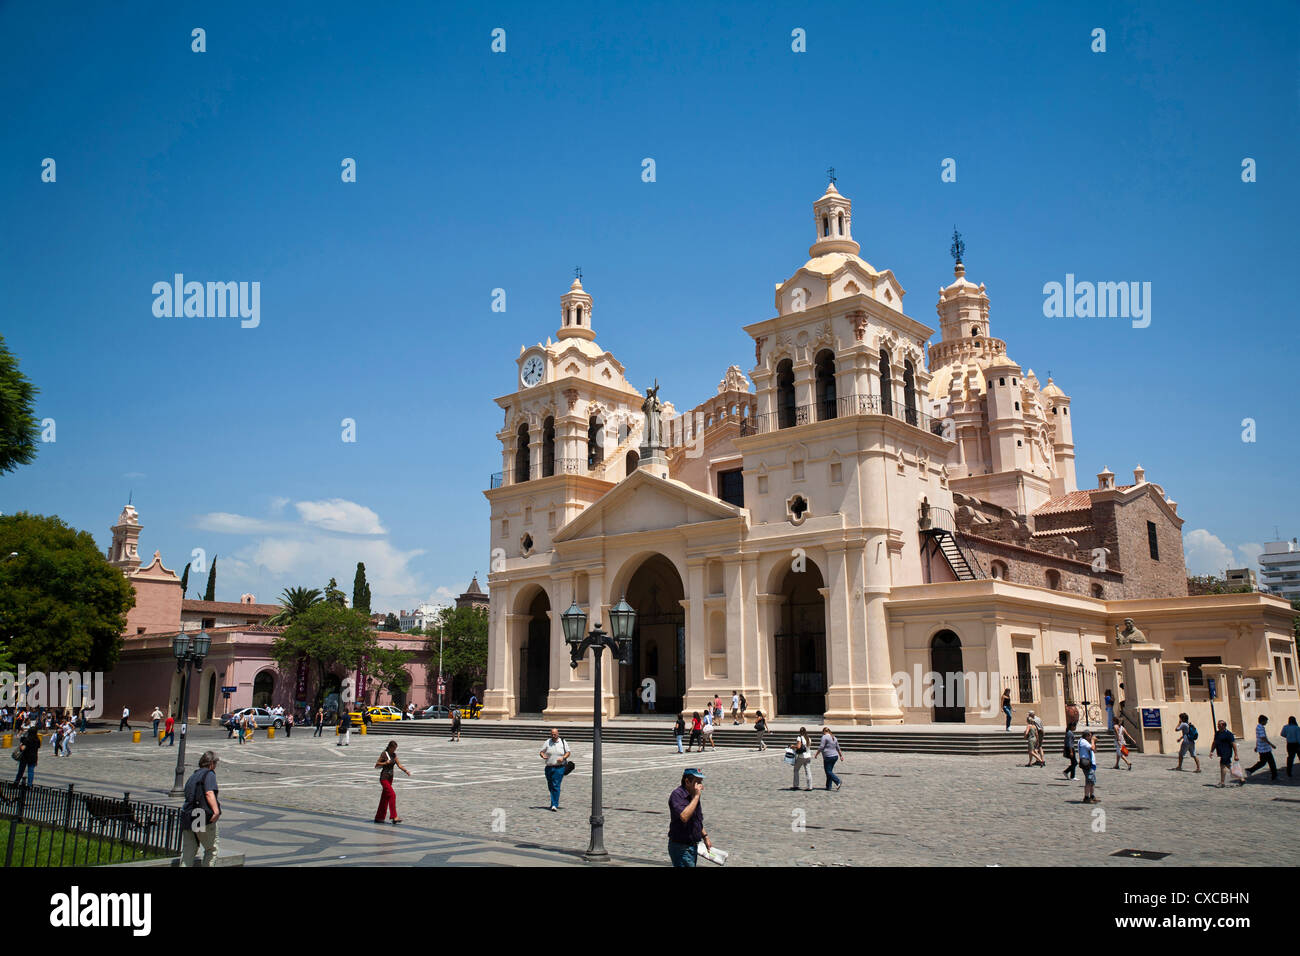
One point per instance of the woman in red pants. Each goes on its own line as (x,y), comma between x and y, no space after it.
(387,798)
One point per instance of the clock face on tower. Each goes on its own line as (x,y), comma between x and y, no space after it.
(532,371)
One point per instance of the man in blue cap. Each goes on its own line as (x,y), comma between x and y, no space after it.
(686,819)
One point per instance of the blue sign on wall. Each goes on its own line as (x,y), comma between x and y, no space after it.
(1211,683)
(1151,717)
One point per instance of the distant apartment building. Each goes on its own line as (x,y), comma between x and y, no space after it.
(421,617)
(1279,568)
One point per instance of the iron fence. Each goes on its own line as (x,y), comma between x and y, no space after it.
(548,469)
(790,416)
(48,826)
(1024,687)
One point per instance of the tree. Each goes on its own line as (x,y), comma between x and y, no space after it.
(211,593)
(19,430)
(361,590)
(185,581)
(295,601)
(62,605)
(464,633)
(333,595)
(388,666)
(391,623)
(329,637)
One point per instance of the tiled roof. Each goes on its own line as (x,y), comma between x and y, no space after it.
(1056,531)
(1072,501)
(232,607)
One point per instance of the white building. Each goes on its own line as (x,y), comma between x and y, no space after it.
(421,617)
(1279,568)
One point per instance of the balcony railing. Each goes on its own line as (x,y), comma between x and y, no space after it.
(791,416)
(560,466)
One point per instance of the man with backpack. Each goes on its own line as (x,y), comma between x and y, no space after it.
(1187,742)
(200,813)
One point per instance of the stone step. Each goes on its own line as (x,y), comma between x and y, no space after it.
(913,741)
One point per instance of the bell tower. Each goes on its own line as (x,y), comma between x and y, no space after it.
(833,215)
(575,312)
(123,553)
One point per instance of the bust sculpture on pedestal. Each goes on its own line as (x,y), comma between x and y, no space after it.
(1131,634)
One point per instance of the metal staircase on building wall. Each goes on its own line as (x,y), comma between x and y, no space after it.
(938,526)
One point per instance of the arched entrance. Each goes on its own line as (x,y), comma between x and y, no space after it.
(535,656)
(800,643)
(658,639)
(950,690)
(263,685)
(329,694)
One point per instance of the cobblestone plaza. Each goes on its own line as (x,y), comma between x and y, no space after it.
(486,800)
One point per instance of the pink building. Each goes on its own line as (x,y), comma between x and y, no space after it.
(240,655)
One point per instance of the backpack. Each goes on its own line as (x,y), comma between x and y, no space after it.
(1191,731)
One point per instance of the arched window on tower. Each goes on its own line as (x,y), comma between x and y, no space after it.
(785,410)
(548,447)
(521,453)
(909,393)
(595,441)
(974,330)
(886,385)
(826,226)
(579,321)
(825,366)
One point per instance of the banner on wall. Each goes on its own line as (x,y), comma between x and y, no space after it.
(300,692)
(361,680)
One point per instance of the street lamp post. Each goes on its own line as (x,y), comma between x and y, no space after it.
(189,654)
(574,621)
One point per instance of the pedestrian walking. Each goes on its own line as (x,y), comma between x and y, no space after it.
(1110,711)
(697,729)
(169,732)
(28,746)
(1291,733)
(69,733)
(1187,742)
(319,720)
(157,717)
(1088,764)
(760,727)
(686,819)
(1031,740)
(707,730)
(556,754)
(829,748)
(345,730)
(1006,705)
(651,691)
(124,724)
(1071,746)
(455,724)
(243,728)
(717,708)
(735,708)
(743,705)
(679,729)
(1225,745)
(1264,748)
(288,725)
(58,739)
(1121,747)
(200,813)
(802,750)
(252,723)
(387,796)
(1038,743)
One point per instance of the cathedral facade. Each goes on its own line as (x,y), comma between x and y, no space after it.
(869,508)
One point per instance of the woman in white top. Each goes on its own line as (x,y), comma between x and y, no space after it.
(802,748)
(708,730)
(1121,741)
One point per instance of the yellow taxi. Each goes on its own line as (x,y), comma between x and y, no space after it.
(384,713)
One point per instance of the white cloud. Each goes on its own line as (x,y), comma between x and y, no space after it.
(223,522)
(338,514)
(1206,554)
(1249,554)
(278,504)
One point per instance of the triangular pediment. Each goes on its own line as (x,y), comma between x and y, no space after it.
(644,502)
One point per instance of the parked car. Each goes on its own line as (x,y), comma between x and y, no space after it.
(263,717)
(385,713)
(434,710)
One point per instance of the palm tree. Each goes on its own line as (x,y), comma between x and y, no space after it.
(295,601)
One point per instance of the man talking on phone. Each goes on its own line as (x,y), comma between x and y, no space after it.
(686,819)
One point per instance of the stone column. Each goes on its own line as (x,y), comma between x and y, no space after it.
(1051,694)
(767,626)
(501,698)
(805,388)
(1144,687)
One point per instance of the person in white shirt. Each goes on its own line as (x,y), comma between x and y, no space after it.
(156,717)
(556,754)
(802,748)
(708,730)
(735,708)
(126,715)
(1264,748)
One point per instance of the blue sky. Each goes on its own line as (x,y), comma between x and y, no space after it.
(478,170)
